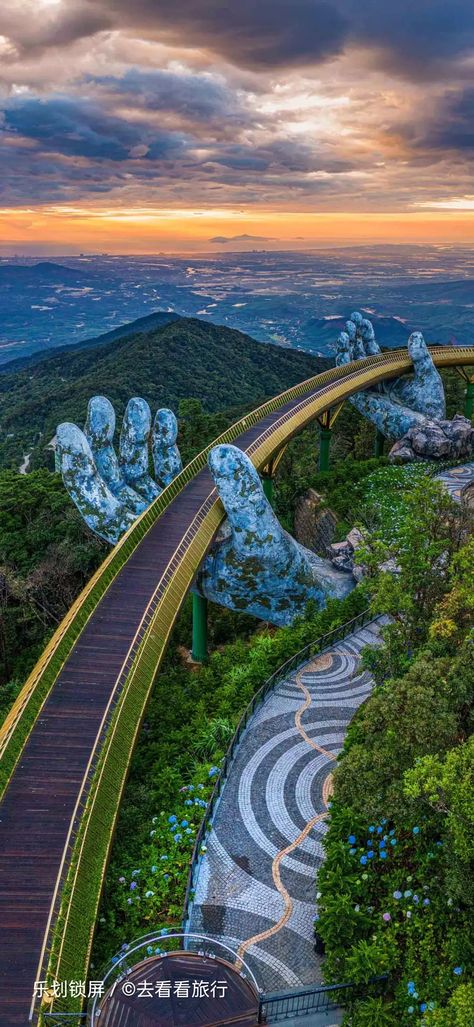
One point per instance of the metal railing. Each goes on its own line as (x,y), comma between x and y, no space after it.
(319,645)
(74,904)
(285,1005)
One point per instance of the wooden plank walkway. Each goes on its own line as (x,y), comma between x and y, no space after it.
(38,811)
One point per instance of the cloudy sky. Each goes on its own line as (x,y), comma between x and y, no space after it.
(174,125)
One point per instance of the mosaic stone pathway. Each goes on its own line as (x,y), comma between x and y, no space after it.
(256,885)
(456,479)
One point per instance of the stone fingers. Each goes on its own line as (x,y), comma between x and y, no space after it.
(250,515)
(344,349)
(106,515)
(134,449)
(99,431)
(166,456)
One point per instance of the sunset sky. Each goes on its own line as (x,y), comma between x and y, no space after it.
(202,125)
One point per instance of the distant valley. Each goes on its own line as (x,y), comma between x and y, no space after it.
(297,300)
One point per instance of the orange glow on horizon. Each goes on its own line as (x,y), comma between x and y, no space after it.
(148,230)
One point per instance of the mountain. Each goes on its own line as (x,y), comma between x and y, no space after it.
(45,272)
(141,324)
(185,358)
(390,332)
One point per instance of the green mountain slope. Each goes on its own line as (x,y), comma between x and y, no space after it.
(186,358)
(143,324)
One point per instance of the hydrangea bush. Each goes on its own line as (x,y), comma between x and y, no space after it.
(396,891)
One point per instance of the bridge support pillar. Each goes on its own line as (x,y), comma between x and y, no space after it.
(379,443)
(199,649)
(324,448)
(469,400)
(268,487)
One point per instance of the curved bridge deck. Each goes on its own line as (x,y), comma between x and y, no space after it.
(93,710)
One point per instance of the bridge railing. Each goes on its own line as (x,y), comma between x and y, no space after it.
(18,723)
(284,1005)
(19,720)
(291,665)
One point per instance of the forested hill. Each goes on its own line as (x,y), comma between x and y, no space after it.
(187,358)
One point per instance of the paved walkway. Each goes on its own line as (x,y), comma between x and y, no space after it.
(456,478)
(257,883)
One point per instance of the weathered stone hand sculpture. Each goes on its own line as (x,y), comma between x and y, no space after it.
(409,410)
(108,491)
(254,566)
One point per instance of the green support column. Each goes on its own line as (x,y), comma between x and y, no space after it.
(57,461)
(267,483)
(379,443)
(469,403)
(324,445)
(199,650)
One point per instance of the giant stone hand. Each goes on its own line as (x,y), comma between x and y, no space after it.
(410,410)
(253,566)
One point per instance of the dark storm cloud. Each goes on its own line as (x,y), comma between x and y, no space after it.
(76,127)
(415,37)
(279,154)
(199,96)
(451,127)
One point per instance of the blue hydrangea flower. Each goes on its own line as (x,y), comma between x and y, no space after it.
(213,771)
(407,893)
(133,886)
(177,837)
(397,895)
(371,829)
(363,860)
(383,854)
(371,854)
(163,857)
(457,970)
(352,839)
(423,1007)
(382,844)
(416,830)
(184,823)
(352,852)
(164,930)
(172,819)
(393,841)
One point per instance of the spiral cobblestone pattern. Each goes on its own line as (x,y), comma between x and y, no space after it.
(251,893)
(456,478)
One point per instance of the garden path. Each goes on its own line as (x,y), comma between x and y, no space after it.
(257,881)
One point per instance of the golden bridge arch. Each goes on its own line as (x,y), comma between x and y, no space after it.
(66,745)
